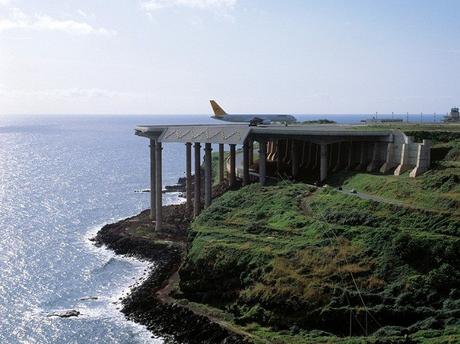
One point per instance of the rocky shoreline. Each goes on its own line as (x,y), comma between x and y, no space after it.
(150,303)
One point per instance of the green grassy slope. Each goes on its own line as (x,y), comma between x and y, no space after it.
(287,262)
(437,189)
(292,264)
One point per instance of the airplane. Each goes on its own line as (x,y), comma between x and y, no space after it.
(221,115)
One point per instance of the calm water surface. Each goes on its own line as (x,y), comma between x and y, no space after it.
(61,178)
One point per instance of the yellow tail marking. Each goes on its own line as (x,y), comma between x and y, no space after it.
(218,111)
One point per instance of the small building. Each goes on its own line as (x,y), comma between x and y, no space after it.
(454,115)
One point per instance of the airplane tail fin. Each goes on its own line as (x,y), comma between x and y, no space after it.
(218,111)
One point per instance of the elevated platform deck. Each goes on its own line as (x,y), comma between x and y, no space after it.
(238,133)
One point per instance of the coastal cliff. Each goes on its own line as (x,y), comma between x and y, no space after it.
(150,303)
(291,263)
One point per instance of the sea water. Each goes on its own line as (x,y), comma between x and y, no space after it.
(61,179)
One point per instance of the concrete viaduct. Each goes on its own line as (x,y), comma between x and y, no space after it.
(297,151)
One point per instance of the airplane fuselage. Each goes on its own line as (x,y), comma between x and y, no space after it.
(263,118)
(221,115)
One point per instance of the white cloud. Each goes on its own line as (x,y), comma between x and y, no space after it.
(153,5)
(16,19)
(72,93)
(5,2)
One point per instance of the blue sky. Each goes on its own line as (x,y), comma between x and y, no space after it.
(172,56)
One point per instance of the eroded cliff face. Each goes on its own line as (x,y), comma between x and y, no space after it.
(288,257)
(150,302)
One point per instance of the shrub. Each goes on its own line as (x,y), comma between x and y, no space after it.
(350,218)
(443,183)
(435,136)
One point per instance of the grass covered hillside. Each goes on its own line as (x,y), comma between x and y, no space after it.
(292,264)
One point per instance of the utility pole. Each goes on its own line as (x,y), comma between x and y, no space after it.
(421,117)
(392,115)
(434,117)
(407,117)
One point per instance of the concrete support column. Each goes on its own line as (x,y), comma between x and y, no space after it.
(302,157)
(158,186)
(251,152)
(188,172)
(262,161)
(152,179)
(338,162)
(389,164)
(287,152)
(207,175)
(268,149)
(404,160)
(316,156)
(279,155)
(271,150)
(362,157)
(330,154)
(310,154)
(350,157)
(323,164)
(197,192)
(246,151)
(423,159)
(232,174)
(294,159)
(373,165)
(221,163)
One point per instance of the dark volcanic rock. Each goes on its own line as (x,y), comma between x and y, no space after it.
(175,322)
(65,314)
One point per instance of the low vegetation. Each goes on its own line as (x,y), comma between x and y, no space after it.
(289,263)
(417,130)
(319,121)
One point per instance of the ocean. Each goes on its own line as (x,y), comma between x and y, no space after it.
(61,179)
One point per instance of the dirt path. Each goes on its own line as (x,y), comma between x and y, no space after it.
(369,197)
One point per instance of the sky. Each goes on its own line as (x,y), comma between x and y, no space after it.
(252,56)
